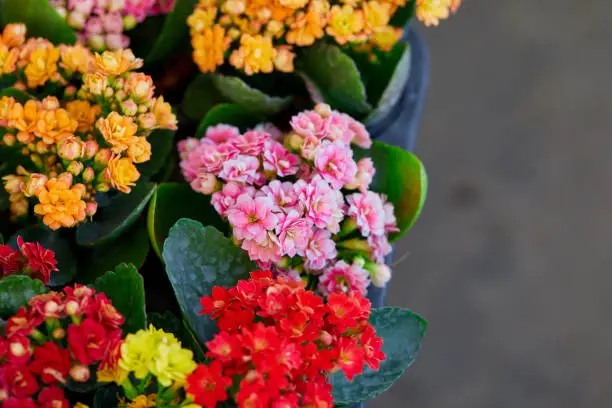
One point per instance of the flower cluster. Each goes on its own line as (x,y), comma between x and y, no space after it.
(31,259)
(146,356)
(281,342)
(298,204)
(101,23)
(86,142)
(260,36)
(58,338)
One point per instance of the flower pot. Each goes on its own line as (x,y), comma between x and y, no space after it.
(400,127)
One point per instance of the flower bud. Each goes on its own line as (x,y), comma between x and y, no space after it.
(19,208)
(102,187)
(91,208)
(72,308)
(294,142)
(147,121)
(75,168)
(323,109)
(58,333)
(80,373)
(66,178)
(109,92)
(129,107)
(88,175)
(12,184)
(120,95)
(9,139)
(50,103)
(91,148)
(129,22)
(70,92)
(42,147)
(25,137)
(71,149)
(103,156)
(380,274)
(205,183)
(36,160)
(96,42)
(326,338)
(96,83)
(14,35)
(35,183)
(76,20)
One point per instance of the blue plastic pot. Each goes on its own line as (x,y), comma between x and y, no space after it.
(401,127)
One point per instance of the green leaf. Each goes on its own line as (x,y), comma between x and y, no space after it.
(168,322)
(20,96)
(402,332)
(16,291)
(197,259)
(113,220)
(107,396)
(173,201)
(41,18)
(174,33)
(402,178)
(235,90)
(230,114)
(162,142)
(403,15)
(336,77)
(59,243)
(200,97)
(125,288)
(387,86)
(131,247)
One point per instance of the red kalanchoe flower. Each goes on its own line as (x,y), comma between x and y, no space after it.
(51,363)
(19,350)
(48,305)
(10,260)
(40,260)
(79,299)
(19,403)
(22,383)
(87,341)
(22,323)
(53,397)
(105,313)
(208,385)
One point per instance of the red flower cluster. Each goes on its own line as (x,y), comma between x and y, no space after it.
(280,342)
(35,362)
(31,259)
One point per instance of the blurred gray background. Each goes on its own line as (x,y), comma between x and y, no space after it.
(511,261)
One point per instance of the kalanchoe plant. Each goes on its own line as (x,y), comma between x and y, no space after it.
(299,202)
(30,259)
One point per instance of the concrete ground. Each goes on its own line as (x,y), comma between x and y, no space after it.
(511,262)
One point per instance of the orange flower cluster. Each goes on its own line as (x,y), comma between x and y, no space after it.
(259,35)
(87,142)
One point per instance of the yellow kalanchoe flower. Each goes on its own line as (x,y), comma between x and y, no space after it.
(430,12)
(209,48)
(42,65)
(122,174)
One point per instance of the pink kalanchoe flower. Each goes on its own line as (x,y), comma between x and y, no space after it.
(344,278)
(138,8)
(320,249)
(221,133)
(205,183)
(81,6)
(113,23)
(380,247)
(294,233)
(242,169)
(251,218)
(270,129)
(186,146)
(323,205)
(390,220)
(94,25)
(308,123)
(279,160)
(283,196)
(310,147)
(267,250)
(334,162)
(336,128)
(116,41)
(214,157)
(251,143)
(226,198)
(361,136)
(288,274)
(368,211)
(364,176)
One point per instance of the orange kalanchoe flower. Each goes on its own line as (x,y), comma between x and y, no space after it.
(430,12)
(80,145)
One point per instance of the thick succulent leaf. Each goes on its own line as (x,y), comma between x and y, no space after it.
(16,291)
(162,142)
(402,332)
(230,114)
(174,34)
(235,90)
(200,97)
(197,259)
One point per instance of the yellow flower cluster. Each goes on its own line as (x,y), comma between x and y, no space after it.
(259,35)
(87,142)
(430,12)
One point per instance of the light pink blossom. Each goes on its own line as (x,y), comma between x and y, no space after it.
(266,250)
(283,196)
(81,6)
(288,274)
(364,176)
(226,198)
(336,128)
(320,249)
(205,183)
(368,211)
(361,136)
(221,133)
(294,233)
(310,147)
(186,146)
(269,128)
(113,23)
(334,162)
(116,41)
(94,25)
(390,220)
(308,123)
(279,160)
(215,157)
(344,278)
(323,205)
(138,8)
(380,247)
(251,142)
(251,217)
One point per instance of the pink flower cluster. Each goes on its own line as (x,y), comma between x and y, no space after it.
(101,23)
(298,203)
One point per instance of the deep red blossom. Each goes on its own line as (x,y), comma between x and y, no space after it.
(19,350)
(208,385)
(105,313)
(40,260)
(22,323)
(13,402)
(79,300)
(87,341)
(47,305)
(11,260)
(21,381)
(53,397)
(51,363)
